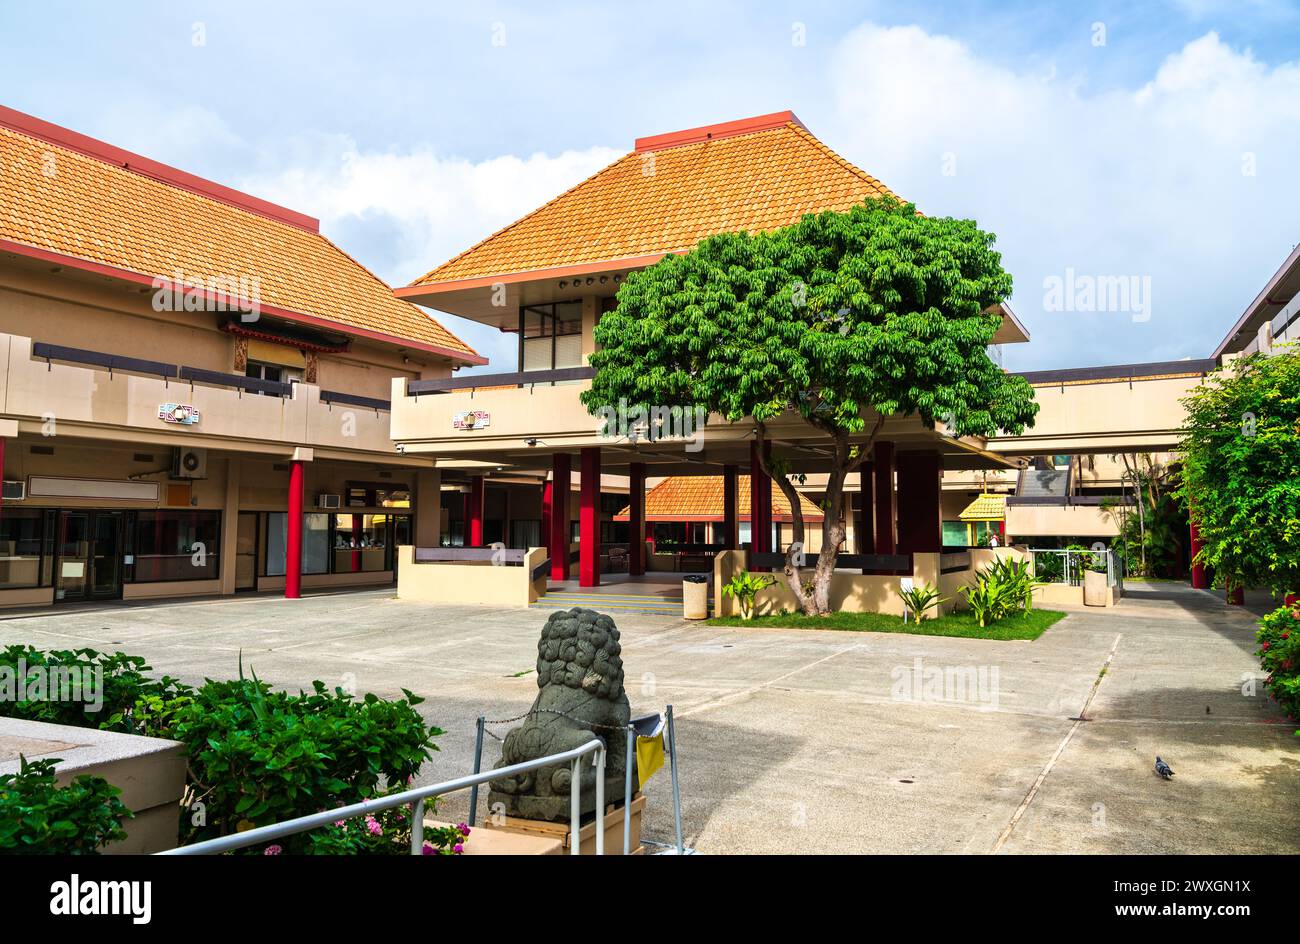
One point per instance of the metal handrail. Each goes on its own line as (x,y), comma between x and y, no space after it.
(1071,567)
(416,798)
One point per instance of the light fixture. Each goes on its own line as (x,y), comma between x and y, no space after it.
(563,284)
(604,279)
(590,280)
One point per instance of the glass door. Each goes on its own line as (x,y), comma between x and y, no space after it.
(89,549)
(246,552)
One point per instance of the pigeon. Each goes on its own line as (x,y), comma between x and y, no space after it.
(1163,769)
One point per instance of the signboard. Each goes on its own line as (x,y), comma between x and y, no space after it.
(471,419)
(180,413)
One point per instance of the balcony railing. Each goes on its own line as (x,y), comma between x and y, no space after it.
(520,378)
(136,365)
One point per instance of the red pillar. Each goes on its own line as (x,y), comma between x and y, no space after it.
(886,507)
(293,545)
(474,512)
(356,543)
(1200,580)
(1234,594)
(730,507)
(589,519)
(560,517)
(920,523)
(760,508)
(864,533)
(635,519)
(546,517)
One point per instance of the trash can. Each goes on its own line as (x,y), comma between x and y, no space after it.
(695,597)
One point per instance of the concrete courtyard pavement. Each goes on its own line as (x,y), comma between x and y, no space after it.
(820,741)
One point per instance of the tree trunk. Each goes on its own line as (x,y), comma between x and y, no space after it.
(844,461)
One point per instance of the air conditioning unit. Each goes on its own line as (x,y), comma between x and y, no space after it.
(189,463)
(15,491)
(329,501)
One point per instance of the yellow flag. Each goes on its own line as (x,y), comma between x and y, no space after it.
(649,756)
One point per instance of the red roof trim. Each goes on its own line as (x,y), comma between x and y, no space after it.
(725,129)
(34,127)
(139,278)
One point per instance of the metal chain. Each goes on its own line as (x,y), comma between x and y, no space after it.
(553,711)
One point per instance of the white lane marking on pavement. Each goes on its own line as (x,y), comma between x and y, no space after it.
(1056,755)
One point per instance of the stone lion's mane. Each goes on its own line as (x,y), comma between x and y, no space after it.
(580,649)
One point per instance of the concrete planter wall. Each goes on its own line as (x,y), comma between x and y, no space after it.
(1095,590)
(150,772)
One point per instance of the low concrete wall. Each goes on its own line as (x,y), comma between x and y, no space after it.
(850,592)
(150,772)
(469,581)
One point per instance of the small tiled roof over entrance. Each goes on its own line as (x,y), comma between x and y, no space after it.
(669,193)
(700,498)
(75,201)
(985,508)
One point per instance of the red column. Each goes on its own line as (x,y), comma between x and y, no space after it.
(293,546)
(474,512)
(920,523)
(760,508)
(1200,580)
(589,519)
(865,538)
(635,519)
(356,543)
(1234,594)
(547,490)
(886,507)
(560,517)
(730,513)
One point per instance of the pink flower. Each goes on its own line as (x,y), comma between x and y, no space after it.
(458,848)
(463,829)
(372,824)
(272,850)
(340,823)
(427,850)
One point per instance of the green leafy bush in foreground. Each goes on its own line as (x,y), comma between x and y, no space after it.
(127,700)
(37,816)
(1279,655)
(258,756)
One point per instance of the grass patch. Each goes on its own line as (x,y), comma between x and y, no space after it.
(1025,626)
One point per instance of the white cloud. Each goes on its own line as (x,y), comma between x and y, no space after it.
(401,213)
(1146,181)
(435,205)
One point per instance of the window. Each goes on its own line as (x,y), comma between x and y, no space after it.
(273,372)
(550,336)
(21,541)
(176,545)
(315,543)
(526,534)
(360,543)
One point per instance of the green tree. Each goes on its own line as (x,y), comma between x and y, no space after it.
(1241,470)
(842,318)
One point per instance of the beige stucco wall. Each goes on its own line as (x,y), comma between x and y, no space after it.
(469,581)
(1026,521)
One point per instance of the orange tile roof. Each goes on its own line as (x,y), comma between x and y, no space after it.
(700,498)
(674,190)
(69,198)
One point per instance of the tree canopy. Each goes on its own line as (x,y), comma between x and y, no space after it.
(846,318)
(1241,470)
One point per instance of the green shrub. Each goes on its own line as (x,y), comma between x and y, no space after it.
(1003,588)
(744,587)
(386,832)
(1279,655)
(128,701)
(920,598)
(39,817)
(258,756)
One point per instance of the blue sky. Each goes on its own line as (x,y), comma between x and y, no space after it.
(1155,142)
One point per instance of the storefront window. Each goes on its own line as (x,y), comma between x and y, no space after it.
(360,543)
(20,548)
(315,543)
(176,545)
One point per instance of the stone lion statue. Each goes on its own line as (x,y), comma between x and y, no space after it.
(580,677)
